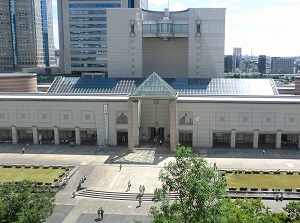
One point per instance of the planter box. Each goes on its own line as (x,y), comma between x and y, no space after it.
(253,189)
(264,189)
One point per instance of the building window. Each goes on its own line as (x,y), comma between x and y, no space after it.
(122,119)
(185,120)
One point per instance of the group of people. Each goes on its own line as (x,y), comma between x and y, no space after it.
(279,197)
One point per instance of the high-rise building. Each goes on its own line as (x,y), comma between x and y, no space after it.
(83,33)
(282,65)
(237,56)
(262,64)
(26,34)
(180,44)
(228,63)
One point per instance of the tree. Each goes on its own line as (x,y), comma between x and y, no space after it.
(292,210)
(24,203)
(250,211)
(200,190)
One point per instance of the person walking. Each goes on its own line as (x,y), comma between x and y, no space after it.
(120,167)
(23,150)
(140,201)
(264,151)
(101,213)
(98,213)
(128,185)
(143,188)
(140,188)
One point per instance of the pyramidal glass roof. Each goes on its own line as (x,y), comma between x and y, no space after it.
(154,86)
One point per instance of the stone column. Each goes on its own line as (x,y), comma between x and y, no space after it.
(14,135)
(278,139)
(136,131)
(130,126)
(173,125)
(56,135)
(255,139)
(35,135)
(232,138)
(77,136)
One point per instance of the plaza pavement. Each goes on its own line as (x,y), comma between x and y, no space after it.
(140,167)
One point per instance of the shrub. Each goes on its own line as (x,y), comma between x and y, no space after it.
(256,172)
(232,188)
(7,166)
(248,171)
(297,189)
(276,189)
(45,167)
(61,175)
(289,173)
(266,172)
(27,167)
(55,180)
(36,167)
(264,189)
(228,171)
(55,167)
(277,172)
(288,189)
(18,166)
(253,189)
(243,188)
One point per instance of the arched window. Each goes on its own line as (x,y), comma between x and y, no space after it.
(185,120)
(122,118)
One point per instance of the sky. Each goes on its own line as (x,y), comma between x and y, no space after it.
(259,27)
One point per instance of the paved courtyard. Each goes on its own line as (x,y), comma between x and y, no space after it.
(101,166)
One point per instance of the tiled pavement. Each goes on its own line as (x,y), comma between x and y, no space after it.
(140,167)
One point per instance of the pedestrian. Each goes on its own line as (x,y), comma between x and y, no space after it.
(281,198)
(82,180)
(120,167)
(140,201)
(264,151)
(143,188)
(128,185)
(23,150)
(71,143)
(160,142)
(101,213)
(140,188)
(98,213)
(84,177)
(215,166)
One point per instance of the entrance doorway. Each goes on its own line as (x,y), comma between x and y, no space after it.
(156,133)
(122,138)
(186,138)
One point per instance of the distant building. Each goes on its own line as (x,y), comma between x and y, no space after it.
(228,60)
(282,65)
(26,35)
(181,44)
(83,34)
(262,64)
(237,56)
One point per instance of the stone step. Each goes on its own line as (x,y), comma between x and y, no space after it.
(120,196)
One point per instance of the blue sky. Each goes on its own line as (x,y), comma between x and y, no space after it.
(269,27)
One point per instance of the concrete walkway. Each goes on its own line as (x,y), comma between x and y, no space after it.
(140,167)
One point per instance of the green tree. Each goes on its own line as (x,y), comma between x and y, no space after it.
(23,203)
(250,211)
(199,187)
(292,210)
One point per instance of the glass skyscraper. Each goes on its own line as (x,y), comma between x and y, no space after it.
(83,33)
(26,34)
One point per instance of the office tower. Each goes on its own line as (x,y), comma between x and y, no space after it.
(228,60)
(26,34)
(262,64)
(180,44)
(237,56)
(83,34)
(282,65)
